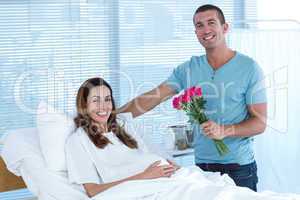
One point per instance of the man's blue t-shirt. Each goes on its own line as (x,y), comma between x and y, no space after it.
(227,90)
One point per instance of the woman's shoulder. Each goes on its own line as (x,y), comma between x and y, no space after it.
(75,137)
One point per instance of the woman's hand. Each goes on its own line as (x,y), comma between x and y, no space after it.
(155,170)
(176,167)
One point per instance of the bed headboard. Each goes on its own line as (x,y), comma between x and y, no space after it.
(9,181)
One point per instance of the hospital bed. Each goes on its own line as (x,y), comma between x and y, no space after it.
(29,163)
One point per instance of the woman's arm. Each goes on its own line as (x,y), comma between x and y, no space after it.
(153,171)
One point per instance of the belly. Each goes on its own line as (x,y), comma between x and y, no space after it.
(134,164)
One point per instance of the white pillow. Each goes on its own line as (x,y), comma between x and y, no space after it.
(54,127)
(22,155)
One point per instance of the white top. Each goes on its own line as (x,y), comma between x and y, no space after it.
(87,163)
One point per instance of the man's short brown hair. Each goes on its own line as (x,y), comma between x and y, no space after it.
(210,7)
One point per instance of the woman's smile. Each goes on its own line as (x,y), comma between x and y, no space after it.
(99,104)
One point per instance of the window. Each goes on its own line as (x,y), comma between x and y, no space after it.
(48,49)
(155,37)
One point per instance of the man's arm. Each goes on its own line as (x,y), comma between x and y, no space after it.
(256,124)
(148,100)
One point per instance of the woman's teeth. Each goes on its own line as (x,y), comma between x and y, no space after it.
(101,113)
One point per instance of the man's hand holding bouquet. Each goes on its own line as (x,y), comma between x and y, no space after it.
(193,103)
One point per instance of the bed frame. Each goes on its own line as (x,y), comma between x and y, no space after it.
(9,181)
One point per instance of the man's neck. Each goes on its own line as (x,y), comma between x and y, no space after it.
(219,56)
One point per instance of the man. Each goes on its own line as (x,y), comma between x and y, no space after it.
(236,99)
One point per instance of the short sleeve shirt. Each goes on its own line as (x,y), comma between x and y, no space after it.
(228,91)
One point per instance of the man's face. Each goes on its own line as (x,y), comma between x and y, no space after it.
(209,30)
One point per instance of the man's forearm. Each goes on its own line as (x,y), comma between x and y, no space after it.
(247,128)
(140,105)
(254,125)
(147,101)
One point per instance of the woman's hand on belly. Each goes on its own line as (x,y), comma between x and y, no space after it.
(155,170)
(173,164)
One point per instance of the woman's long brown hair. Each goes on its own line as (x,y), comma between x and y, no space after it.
(85,121)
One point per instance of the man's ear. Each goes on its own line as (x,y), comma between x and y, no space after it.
(225,28)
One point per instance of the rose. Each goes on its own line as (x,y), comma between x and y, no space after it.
(176,103)
(198,92)
(186,97)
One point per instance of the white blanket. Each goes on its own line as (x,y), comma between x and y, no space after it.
(117,161)
(188,184)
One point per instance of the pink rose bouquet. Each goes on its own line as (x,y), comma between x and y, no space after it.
(193,104)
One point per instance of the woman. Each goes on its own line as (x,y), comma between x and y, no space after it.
(96,120)
(106,160)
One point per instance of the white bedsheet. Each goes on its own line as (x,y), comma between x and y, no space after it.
(188,184)
(22,154)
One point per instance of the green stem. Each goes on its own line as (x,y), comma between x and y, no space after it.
(221,147)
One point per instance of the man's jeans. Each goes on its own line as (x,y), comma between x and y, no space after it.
(243,175)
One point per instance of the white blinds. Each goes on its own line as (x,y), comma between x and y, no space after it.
(277,150)
(47,49)
(155,37)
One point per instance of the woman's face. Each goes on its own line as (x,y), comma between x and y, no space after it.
(99,104)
